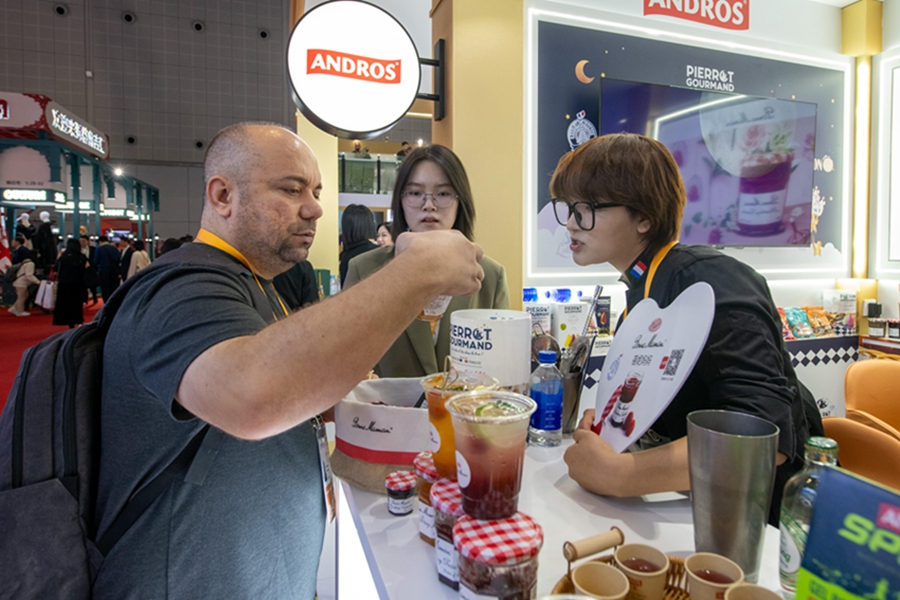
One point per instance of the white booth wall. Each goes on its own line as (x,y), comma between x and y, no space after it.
(884,221)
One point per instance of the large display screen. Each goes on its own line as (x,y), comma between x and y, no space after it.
(746,161)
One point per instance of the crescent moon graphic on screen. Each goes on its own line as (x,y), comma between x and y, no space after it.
(579,72)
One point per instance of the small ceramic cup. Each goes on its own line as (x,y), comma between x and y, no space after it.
(750,591)
(646,569)
(599,580)
(709,575)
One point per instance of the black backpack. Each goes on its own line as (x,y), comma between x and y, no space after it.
(12,272)
(49,462)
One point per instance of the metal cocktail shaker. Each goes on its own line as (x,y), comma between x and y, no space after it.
(732,468)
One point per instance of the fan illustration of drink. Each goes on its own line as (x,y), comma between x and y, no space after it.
(763,190)
(622,416)
(434,311)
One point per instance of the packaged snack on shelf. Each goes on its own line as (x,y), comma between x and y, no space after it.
(785,327)
(799,323)
(843,323)
(818,320)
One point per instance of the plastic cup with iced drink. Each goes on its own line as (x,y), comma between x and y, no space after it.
(491,432)
(443,446)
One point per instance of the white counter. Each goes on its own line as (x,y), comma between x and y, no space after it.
(403,565)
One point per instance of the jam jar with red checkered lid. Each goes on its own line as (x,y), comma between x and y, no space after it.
(401,488)
(498,559)
(447,501)
(426,475)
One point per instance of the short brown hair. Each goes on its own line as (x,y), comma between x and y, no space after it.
(628,169)
(453,168)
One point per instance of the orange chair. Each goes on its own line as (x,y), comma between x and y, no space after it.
(873,386)
(865,451)
(864,418)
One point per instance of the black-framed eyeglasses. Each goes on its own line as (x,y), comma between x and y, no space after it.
(583,211)
(417,198)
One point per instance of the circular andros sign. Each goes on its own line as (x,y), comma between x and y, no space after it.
(353,69)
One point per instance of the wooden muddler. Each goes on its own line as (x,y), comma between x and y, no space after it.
(592,545)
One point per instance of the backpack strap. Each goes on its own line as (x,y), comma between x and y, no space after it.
(142,500)
(111,307)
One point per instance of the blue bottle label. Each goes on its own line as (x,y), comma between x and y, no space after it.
(548,416)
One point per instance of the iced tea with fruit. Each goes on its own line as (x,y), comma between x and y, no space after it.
(491,433)
(443,446)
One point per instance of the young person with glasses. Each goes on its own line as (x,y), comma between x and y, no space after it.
(621,198)
(432,193)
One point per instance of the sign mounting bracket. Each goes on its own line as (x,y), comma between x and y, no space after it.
(439,96)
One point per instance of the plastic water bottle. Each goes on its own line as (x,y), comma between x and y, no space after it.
(797,505)
(559,295)
(529,294)
(545,428)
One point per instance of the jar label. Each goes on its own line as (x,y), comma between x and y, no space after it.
(400,506)
(426,520)
(761,209)
(463,472)
(447,559)
(467,594)
(434,437)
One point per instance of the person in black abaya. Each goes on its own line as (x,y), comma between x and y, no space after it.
(70,288)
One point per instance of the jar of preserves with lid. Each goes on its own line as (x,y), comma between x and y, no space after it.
(893,328)
(401,488)
(426,475)
(447,501)
(878,328)
(498,559)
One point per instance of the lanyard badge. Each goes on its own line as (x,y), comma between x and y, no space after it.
(325,466)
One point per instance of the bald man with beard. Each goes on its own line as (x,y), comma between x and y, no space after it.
(203,338)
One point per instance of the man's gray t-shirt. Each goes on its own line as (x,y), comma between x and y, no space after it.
(254,528)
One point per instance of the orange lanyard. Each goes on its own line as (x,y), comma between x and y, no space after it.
(208,237)
(654,265)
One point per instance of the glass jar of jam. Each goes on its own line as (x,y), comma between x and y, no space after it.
(401,489)
(447,502)
(498,559)
(426,475)
(878,328)
(893,328)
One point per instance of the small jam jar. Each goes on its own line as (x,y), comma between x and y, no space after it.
(498,559)
(447,502)
(426,475)
(893,328)
(878,328)
(401,488)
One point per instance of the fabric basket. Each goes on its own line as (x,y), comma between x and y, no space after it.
(377,431)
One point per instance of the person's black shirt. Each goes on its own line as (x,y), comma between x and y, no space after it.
(744,365)
(350,252)
(297,286)
(19,254)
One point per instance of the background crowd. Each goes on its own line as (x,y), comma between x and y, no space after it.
(82,271)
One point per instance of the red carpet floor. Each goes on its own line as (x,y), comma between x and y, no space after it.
(17,334)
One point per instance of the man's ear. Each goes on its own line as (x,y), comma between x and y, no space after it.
(219,194)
